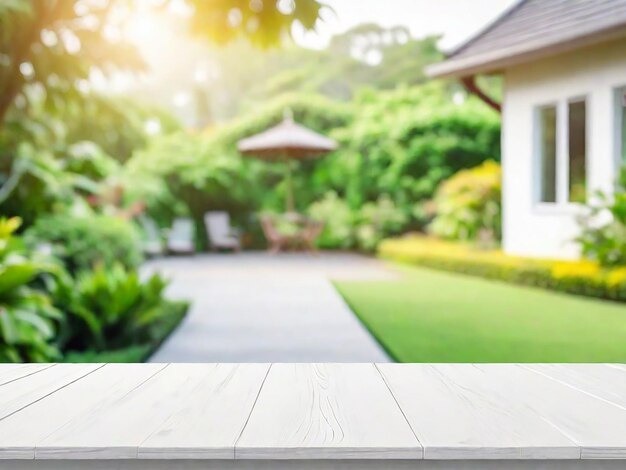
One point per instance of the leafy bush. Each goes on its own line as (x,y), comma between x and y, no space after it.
(84,242)
(575,277)
(108,308)
(362,228)
(377,220)
(338,221)
(603,235)
(27,317)
(468,205)
(171,315)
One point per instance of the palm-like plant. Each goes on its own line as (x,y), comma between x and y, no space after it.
(27,317)
(107,308)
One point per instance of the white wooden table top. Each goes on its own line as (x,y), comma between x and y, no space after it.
(312,411)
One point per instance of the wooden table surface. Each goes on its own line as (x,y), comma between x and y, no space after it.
(311,412)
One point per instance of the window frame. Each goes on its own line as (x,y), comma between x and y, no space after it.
(538,154)
(619,93)
(562,203)
(566,174)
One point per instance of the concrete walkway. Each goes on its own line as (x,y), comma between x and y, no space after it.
(254,307)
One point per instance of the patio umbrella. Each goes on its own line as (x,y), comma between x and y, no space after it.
(286,142)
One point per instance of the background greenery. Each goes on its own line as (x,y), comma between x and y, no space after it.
(78,166)
(69,249)
(395,147)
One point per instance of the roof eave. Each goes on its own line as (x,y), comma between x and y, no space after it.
(495,61)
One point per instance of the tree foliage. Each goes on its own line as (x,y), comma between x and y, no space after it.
(398,144)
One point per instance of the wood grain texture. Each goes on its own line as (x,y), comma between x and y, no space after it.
(457,413)
(19,394)
(22,431)
(315,415)
(116,430)
(596,426)
(12,372)
(212,416)
(326,411)
(314,465)
(598,380)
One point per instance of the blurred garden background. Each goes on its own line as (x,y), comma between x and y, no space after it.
(99,159)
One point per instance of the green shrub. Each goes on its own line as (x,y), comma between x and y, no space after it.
(575,277)
(108,308)
(338,221)
(172,314)
(604,238)
(83,242)
(468,205)
(363,228)
(377,220)
(27,317)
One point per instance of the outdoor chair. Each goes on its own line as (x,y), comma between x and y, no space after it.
(152,242)
(220,234)
(303,237)
(309,234)
(180,238)
(277,241)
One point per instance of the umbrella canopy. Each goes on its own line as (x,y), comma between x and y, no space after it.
(285,142)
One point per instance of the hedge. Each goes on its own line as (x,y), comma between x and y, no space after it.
(573,277)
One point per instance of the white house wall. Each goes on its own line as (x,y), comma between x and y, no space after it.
(548,230)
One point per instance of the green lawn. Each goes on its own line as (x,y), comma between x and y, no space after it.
(433,316)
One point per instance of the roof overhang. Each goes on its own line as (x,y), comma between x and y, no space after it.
(494,62)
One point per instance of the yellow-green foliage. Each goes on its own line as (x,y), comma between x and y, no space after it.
(468,204)
(574,277)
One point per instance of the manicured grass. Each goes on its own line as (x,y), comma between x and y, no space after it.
(433,316)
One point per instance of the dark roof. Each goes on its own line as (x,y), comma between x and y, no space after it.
(532,29)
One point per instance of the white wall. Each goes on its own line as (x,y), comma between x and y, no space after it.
(544,230)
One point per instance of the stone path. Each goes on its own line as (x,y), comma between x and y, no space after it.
(255,307)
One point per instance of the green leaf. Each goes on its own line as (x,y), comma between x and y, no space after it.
(42,325)
(9,327)
(16,275)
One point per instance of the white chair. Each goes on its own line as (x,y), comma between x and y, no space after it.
(180,237)
(152,242)
(220,233)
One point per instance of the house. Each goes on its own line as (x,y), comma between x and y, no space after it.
(563,64)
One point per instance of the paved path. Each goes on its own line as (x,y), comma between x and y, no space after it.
(254,307)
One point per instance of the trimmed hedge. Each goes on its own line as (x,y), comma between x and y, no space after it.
(573,277)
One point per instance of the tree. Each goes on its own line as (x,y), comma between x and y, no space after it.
(57,43)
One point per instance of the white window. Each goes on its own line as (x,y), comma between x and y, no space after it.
(620,126)
(547,153)
(577,151)
(561,148)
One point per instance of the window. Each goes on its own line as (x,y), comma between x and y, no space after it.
(577,150)
(547,149)
(561,147)
(621,126)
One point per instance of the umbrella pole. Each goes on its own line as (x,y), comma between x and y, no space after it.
(290,204)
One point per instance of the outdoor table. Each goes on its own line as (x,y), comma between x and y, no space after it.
(304,234)
(314,416)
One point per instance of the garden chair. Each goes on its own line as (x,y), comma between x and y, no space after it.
(220,233)
(276,240)
(152,242)
(309,234)
(180,239)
